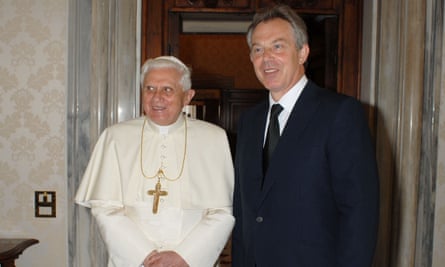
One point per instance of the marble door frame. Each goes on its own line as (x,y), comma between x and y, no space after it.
(103,67)
(409,48)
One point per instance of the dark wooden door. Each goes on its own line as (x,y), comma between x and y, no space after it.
(334,27)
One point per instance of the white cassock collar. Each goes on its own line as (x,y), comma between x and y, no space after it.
(164,130)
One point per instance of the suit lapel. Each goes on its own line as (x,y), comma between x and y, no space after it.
(301,115)
(258,140)
(252,142)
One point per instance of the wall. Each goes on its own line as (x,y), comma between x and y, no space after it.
(32,124)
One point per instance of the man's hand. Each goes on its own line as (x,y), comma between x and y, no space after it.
(164,259)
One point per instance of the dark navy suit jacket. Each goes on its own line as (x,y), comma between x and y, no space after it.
(320,201)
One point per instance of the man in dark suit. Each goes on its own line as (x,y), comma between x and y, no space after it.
(313,200)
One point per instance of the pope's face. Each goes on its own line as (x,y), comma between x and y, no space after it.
(277,62)
(163,97)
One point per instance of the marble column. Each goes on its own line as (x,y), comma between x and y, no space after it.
(399,112)
(103,89)
(406,98)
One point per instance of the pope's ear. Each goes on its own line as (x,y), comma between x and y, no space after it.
(188,95)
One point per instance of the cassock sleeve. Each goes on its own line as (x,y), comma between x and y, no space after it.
(101,190)
(101,180)
(206,241)
(126,244)
(203,245)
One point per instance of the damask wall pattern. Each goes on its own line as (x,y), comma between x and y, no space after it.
(33,63)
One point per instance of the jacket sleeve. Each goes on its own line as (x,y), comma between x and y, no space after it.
(356,185)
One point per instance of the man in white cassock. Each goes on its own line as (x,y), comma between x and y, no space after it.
(160,186)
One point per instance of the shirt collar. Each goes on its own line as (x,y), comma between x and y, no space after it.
(290,98)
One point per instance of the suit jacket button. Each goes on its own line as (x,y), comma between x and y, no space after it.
(259,219)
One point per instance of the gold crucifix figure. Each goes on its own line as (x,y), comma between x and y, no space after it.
(156,194)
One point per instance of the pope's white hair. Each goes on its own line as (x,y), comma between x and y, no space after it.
(168,62)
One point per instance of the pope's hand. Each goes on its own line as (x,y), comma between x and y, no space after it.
(164,259)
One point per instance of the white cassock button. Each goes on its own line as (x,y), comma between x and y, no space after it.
(259,219)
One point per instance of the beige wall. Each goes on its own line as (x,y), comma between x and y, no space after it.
(33,49)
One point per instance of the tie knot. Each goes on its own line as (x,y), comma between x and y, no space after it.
(276,110)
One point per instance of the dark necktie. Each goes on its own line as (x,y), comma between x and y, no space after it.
(273,134)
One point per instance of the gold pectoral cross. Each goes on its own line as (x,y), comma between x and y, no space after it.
(156,194)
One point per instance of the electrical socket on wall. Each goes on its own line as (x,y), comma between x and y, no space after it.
(45,203)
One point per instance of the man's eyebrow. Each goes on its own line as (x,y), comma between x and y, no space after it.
(280,39)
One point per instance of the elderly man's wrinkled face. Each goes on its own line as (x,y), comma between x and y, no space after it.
(163,96)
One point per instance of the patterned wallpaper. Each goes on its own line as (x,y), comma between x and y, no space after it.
(33,51)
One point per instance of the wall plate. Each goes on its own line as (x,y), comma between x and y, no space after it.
(45,203)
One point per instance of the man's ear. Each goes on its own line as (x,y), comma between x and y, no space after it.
(188,95)
(303,54)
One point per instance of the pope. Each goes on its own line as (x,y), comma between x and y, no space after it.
(160,186)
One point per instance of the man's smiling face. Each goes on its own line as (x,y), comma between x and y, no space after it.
(277,62)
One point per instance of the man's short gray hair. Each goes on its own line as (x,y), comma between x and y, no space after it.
(281,12)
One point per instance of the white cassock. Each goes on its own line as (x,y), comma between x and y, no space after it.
(194,219)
